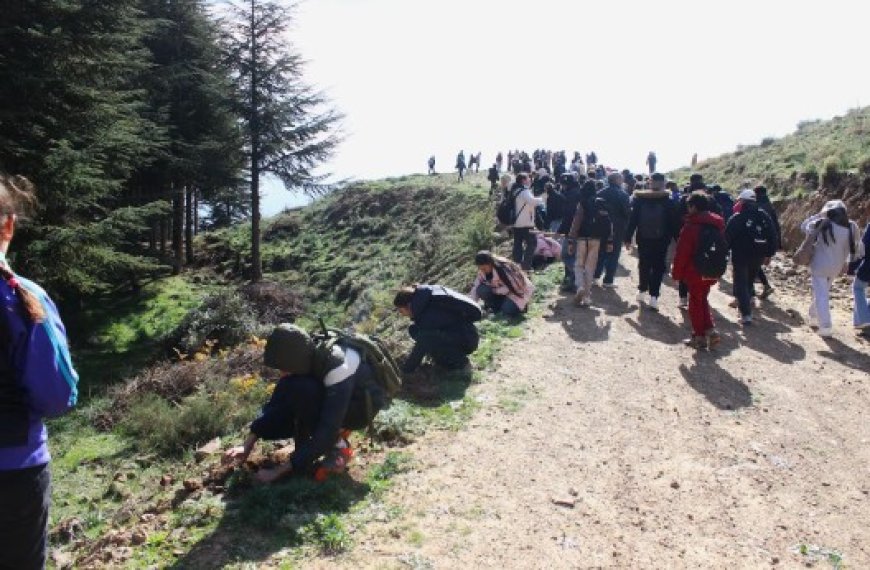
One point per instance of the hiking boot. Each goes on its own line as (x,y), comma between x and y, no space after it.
(713,339)
(768,290)
(654,303)
(696,342)
(684,303)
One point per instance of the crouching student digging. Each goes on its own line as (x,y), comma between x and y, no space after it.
(332,383)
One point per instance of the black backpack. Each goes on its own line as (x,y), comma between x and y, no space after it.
(455,302)
(596,219)
(759,231)
(651,220)
(506,211)
(711,255)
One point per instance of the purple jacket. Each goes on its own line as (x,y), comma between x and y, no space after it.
(41,373)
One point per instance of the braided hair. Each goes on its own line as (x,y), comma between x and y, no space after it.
(17,198)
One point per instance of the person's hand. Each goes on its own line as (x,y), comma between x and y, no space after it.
(270,475)
(235,455)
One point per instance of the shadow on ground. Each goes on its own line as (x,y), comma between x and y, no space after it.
(431,386)
(582,324)
(720,388)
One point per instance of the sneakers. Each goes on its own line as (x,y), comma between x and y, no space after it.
(337,460)
(596,282)
(684,303)
(746,320)
(609,285)
(713,339)
(641,297)
(654,303)
(863,326)
(696,342)
(580,300)
(768,290)
(826,333)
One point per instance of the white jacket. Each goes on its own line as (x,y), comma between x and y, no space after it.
(830,258)
(525,204)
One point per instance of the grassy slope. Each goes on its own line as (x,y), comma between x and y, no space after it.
(793,164)
(344,256)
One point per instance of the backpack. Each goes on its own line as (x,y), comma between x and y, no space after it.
(711,255)
(506,211)
(455,302)
(759,232)
(596,219)
(651,220)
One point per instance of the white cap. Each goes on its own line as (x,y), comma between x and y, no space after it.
(747,195)
(833,205)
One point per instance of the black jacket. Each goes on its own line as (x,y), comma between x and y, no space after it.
(641,205)
(764,204)
(741,242)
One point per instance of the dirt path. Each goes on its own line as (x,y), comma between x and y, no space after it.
(603,442)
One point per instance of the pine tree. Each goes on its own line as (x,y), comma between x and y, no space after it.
(289,127)
(70,120)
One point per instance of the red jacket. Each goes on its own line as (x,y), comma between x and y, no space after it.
(687,244)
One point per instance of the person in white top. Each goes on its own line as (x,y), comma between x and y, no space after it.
(837,241)
(525,204)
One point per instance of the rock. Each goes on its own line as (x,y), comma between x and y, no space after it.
(675,485)
(166,480)
(61,559)
(211,448)
(573,492)
(117,491)
(139,537)
(567,502)
(120,476)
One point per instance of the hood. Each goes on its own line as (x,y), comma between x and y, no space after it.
(707,218)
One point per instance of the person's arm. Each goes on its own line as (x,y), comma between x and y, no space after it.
(43,359)
(683,254)
(477,281)
(576,222)
(808,225)
(414,358)
(632,222)
(240,453)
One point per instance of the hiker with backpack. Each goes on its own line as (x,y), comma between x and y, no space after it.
(619,209)
(651,160)
(328,388)
(37,381)
(764,203)
(431,165)
(654,218)
(723,201)
(442,325)
(525,206)
(835,240)
(591,233)
(492,176)
(752,241)
(460,165)
(501,284)
(571,184)
(700,260)
(861,308)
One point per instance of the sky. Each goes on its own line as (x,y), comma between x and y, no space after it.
(622,77)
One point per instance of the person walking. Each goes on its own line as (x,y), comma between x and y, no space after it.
(37,381)
(654,218)
(752,241)
(698,220)
(431,165)
(525,206)
(861,309)
(460,165)
(619,208)
(763,201)
(571,191)
(591,232)
(836,241)
(651,161)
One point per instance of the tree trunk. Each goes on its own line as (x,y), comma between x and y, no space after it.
(177,227)
(164,232)
(188,227)
(196,212)
(256,268)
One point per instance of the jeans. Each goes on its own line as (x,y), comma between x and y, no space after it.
(524,255)
(651,255)
(820,307)
(699,307)
(861,312)
(608,261)
(25,496)
(587,258)
(568,259)
(498,303)
(743,274)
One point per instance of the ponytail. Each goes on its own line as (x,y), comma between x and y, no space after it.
(33,309)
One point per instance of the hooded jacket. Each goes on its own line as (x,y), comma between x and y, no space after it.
(619,207)
(641,203)
(739,239)
(687,244)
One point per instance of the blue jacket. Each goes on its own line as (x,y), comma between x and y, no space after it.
(39,379)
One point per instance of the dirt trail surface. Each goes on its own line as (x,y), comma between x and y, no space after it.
(602,441)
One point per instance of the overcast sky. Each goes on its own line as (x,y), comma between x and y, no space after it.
(621,77)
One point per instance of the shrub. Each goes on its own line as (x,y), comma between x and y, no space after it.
(477,232)
(767,141)
(831,171)
(226,319)
(273,302)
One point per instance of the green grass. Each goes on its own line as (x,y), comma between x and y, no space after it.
(788,165)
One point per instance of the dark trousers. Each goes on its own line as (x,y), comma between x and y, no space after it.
(762,277)
(683,290)
(525,243)
(608,261)
(743,274)
(651,262)
(447,348)
(25,495)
